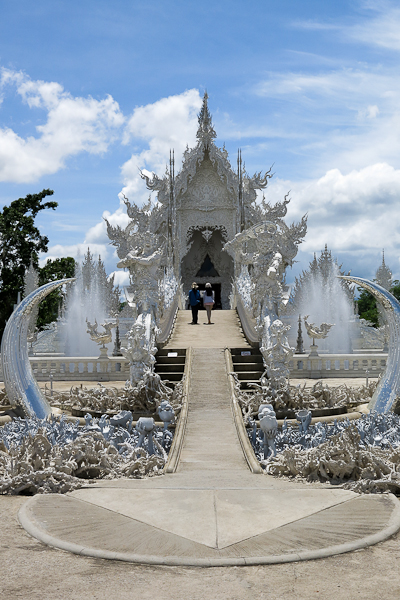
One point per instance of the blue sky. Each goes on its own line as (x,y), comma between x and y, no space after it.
(90,91)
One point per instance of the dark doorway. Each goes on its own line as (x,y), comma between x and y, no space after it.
(207,269)
(206,261)
(216,287)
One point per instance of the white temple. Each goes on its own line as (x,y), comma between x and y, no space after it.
(208,225)
(205,205)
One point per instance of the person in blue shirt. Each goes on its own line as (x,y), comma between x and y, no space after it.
(194,300)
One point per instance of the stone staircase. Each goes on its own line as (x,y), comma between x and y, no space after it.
(170,364)
(224,332)
(248,366)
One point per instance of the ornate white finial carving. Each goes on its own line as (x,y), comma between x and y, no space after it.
(206,131)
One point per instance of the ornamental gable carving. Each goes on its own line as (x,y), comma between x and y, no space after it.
(206,191)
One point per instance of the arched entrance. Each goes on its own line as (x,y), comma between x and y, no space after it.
(207,262)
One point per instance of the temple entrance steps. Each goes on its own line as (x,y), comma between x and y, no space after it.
(248,366)
(209,430)
(225,332)
(170,364)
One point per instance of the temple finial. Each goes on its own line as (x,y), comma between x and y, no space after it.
(383,276)
(205,131)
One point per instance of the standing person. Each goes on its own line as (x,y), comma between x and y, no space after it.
(194,300)
(208,301)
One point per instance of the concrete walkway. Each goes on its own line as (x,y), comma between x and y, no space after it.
(225,331)
(213,511)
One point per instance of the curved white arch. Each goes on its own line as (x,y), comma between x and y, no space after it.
(21,386)
(389,386)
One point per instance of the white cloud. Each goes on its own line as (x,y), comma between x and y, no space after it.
(76,251)
(98,233)
(380,27)
(370,112)
(344,118)
(169,123)
(357,215)
(381,30)
(73,125)
(121,278)
(351,85)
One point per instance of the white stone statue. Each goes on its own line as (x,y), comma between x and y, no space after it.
(140,349)
(269,428)
(276,353)
(269,248)
(261,254)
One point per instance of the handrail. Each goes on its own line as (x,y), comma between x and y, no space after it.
(177,443)
(247,449)
(249,329)
(167,324)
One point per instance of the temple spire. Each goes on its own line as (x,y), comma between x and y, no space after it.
(242,223)
(383,275)
(206,131)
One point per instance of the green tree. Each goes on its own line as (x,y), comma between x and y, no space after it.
(367,308)
(21,242)
(395,289)
(53,270)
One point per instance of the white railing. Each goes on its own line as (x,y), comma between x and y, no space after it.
(167,323)
(116,368)
(247,322)
(337,365)
(70,368)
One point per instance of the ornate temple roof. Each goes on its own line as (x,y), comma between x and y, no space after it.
(239,183)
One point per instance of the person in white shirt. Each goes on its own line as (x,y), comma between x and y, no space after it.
(208,301)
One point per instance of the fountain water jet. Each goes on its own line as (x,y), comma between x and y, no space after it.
(319,294)
(93,297)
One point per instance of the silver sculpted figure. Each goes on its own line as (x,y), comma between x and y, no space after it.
(142,250)
(21,386)
(269,428)
(269,247)
(388,388)
(314,332)
(100,337)
(141,347)
(304,418)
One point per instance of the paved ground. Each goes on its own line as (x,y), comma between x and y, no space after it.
(33,571)
(225,331)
